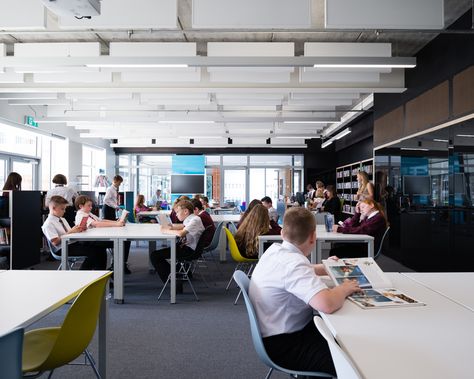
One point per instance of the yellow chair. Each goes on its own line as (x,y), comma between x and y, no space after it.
(48,348)
(243,264)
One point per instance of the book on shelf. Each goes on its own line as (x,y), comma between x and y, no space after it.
(4,236)
(377,289)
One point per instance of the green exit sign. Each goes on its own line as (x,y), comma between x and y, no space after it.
(30,120)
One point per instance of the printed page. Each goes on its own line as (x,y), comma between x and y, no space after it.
(123,216)
(387,297)
(371,270)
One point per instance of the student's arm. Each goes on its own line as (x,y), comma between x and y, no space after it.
(177,230)
(57,240)
(331,299)
(106,223)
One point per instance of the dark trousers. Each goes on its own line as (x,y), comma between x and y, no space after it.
(159,258)
(110,214)
(305,350)
(349,250)
(96,255)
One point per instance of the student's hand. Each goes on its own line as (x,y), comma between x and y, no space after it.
(120,223)
(334,228)
(350,286)
(166,227)
(334,258)
(76,229)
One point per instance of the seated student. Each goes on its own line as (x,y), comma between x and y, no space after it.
(369,219)
(156,199)
(251,205)
(84,207)
(256,224)
(57,226)
(205,203)
(332,204)
(272,212)
(188,232)
(141,207)
(285,290)
(207,222)
(174,218)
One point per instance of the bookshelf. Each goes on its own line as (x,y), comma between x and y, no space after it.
(347,185)
(126,201)
(20,226)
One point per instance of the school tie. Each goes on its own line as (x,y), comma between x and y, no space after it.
(62,224)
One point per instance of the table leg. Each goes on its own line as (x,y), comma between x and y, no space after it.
(370,248)
(260,247)
(173,270)
(103,319)
(317,252)
(64,253)
(118,270)
(151,248)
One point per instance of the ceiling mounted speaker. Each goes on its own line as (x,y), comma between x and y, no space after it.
(76,8)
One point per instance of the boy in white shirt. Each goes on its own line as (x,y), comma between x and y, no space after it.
(84,206)
(111,201)
(272,212)
(189,232)
(286,288)
(57,226)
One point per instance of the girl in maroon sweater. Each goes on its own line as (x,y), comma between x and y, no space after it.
(369,219)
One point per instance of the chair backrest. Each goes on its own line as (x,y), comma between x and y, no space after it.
(234,249)
(52,249)
(379,251)
(345,369)
(243,282)
(11,348)
(232,228)
(216,238)
(79,325)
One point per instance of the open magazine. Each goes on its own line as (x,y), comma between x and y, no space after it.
(124,215)
(377,290)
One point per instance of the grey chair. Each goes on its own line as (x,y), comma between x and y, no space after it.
(71,260)
(208,250)
(379,251)
(243,282)
(11,348)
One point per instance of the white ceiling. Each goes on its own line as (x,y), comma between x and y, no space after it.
(247,82)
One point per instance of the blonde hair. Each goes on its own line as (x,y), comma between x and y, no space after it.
(298,225)
(255,224)
(364,181)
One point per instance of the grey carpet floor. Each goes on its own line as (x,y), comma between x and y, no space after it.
(151,339)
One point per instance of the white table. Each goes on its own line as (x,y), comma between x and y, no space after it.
(457,286)
(432,341)
(27,296)
(118,235)
(322,236)
(215,217)
(153,213)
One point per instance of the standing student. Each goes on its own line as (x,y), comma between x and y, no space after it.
(285,290)
(188,232)
(111,205)
(111,199)
(366,188)
(332,204)
(56,226)
(62,189)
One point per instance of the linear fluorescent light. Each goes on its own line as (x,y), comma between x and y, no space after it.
(186,122)
(440,140)
(131,65)
(308,122)
(362,65)
(304,137)
(197,136)
(414,148)
(465,135)
(327,143)
(345,132)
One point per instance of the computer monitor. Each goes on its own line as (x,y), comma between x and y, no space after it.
(417,185)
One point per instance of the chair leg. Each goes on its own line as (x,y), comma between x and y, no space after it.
(192,288)
(50,373)
(269,373)
(232,277)
(164,286)
(92,363)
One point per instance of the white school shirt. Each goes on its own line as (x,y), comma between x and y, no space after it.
(52,228)
(81,214)
(64,191)
(111,197)
(282,285)
(273,214)
(194,227)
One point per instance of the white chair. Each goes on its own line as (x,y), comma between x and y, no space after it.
(345,369)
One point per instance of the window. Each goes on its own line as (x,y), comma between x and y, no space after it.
(93,165)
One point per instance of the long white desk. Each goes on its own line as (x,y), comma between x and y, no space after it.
(215,217)
(27,296)
(432,341)
(321,237)
(456,286)
(118,235)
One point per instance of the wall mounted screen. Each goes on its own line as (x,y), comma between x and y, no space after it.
(416,185)
(185,184)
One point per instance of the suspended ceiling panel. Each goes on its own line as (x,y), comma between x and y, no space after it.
(68,49)
(127,14)
(384,14)
(152,49)
(251,14)
(22,14)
